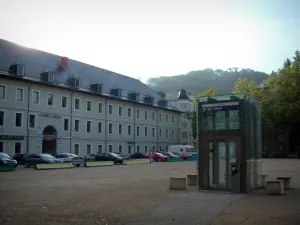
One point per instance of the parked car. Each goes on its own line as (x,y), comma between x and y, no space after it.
(181,155)
(68,157)
(159,157)
(7,160)
(117,159)
(90,157)
(138,155)
(170,155)
(124,156)
(20,158)
(34,159)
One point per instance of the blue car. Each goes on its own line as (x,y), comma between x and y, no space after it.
(34,159)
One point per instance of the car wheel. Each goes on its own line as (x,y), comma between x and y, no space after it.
(16,165)
(115,162)
(77,165)
(159,159)
(121,162)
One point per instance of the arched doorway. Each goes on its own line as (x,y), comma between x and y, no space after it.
(49,140)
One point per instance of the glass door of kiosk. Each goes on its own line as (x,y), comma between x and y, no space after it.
(222,161)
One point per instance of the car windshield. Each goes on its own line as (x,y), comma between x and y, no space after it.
(159,154)
(175,153)
(4,156)
(115,155)
(47,156)
(73,155)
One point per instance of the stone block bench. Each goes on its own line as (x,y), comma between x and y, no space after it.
(286,181)
(275,187)
(264,177)
(177,183)
(191,179)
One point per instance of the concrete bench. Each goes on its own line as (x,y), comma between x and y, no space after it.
(264,177)
(275,187)
(286,181)
(191,179)
(177,183)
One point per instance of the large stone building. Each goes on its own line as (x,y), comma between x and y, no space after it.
(50,104)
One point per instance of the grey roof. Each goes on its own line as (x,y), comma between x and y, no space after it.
(37,61)
(182,95)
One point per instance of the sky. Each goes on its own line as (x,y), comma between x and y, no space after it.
(151,38)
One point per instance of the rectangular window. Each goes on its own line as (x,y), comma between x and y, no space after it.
(35,97)
(185,135)
(88,126)
(100,148)
(129,112)
(129,129)
(129,149)
(138,149)
(120,111)
(120,148)
(1,146)
(18,120)
(160,132)
(77,104)
(137,131)
(167,118)
(146,149)
(120,128)
(146,115)
(18,147)
(100,109)
(146,131)
(110,148)
(137,113)
(2,92)
(110,109)
(88,149)
(1,118)
(76,149)
(64,101)
(32,121)
(19,94)
(76,125)
(88,106)
(66,124)
(167,133)
(153,132)
(173,119)
(99,127)
(110,128)
(173,133)
(153,148)
(159,117)
(50,99)
(153,116)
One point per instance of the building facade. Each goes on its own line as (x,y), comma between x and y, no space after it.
(53,104)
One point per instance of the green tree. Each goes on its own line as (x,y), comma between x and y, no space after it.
(191,116)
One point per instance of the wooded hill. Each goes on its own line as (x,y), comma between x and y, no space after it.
(199,81)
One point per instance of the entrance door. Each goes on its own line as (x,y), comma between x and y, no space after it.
(222,155)
(49,140)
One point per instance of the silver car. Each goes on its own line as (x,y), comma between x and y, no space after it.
(68,157)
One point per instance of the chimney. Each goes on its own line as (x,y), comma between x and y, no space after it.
(64,63)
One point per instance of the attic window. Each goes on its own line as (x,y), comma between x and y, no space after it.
(17,69)
(134,96)
(96,88)
(73,82)
(116,92)
(149,99)
(163,103)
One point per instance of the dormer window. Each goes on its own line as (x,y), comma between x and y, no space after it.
(73,82)
(149,99)
(17,69)
(116,92)
(47,76)
(96,88)
(134,96)
(163,103)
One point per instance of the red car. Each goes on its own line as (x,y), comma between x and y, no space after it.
(159,157)
(181,155)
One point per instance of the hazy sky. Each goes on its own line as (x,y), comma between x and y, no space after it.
(147,38)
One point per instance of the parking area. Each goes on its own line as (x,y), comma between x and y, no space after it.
(86,195)
(104,195)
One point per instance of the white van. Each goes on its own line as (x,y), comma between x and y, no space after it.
(184,149)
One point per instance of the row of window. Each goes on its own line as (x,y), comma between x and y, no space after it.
(32,124)
(77,104)
(89,150)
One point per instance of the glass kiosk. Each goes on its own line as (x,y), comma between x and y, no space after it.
(229,143)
